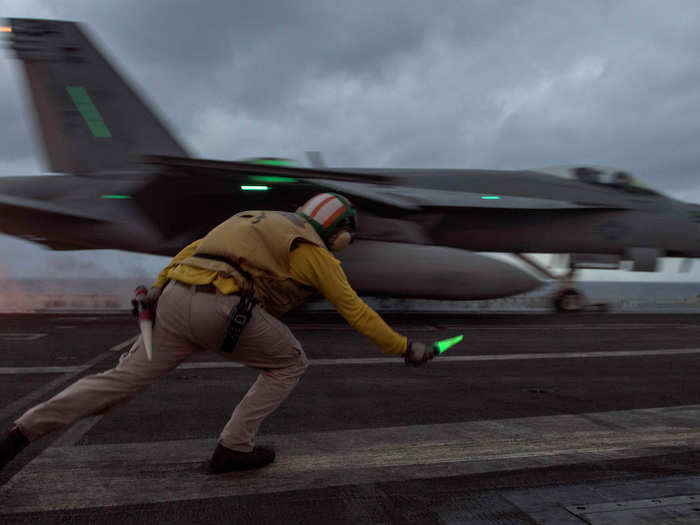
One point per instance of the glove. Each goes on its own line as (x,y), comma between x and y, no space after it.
(152,296)
(417,354)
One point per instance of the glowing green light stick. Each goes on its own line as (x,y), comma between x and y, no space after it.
(439,347)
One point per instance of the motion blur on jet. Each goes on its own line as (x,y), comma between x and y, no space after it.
(127,183)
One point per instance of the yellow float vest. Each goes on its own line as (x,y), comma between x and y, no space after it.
(259,244)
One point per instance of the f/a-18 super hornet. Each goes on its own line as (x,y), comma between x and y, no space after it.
(120,180)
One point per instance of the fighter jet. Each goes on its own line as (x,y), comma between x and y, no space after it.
(120,180)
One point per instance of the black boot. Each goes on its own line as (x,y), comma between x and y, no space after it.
(226,460)
(11,444)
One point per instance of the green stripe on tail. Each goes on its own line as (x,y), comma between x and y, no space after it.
(90,114)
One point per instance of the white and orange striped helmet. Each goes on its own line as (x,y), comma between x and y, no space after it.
(326,211)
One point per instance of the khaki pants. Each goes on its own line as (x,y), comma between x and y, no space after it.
(189,322)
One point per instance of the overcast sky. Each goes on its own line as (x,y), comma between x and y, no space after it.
(447,84)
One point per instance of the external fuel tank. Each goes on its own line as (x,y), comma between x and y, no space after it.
(395,269)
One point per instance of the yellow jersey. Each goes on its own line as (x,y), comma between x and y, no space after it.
(311,266)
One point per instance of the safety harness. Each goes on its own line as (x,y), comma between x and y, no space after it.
(240,315)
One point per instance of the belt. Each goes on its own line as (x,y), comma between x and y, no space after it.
(203,288)
(206,288)
(210,288)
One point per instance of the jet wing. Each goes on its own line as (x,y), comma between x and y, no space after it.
(11,203)
(187,165)
(183,191)
(183,194)
(413,199)
(28,219)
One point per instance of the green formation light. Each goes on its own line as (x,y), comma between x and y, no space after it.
(115,196)
(275,162)
(490,197)
(255,188)
(439,347)
(271,178)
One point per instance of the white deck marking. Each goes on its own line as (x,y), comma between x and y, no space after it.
(609,326)
(437,325)
(455,358)
(466,327)
(21,337)
(347,328)
(673,509)
(209,364)
(17,407)
(39,369)
(124,344)
(11,370)
(141,473)
(75,319)
(569,355)
(76,432)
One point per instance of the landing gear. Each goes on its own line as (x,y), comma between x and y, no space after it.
(568,300)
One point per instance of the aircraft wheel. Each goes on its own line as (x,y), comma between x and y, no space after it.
(568,301)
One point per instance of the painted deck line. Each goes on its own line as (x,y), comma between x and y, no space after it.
(76,432)
(458,358)
(124,344)
(10,370)
(301,327)
(139,473)
(466,326)
(40,369)
(17,407)
(669,510)
(605,326)
(570,355)
(18,337)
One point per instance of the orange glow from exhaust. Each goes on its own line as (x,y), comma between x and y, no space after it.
(5,30)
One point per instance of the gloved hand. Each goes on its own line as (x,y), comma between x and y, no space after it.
(417,354)
(152,296)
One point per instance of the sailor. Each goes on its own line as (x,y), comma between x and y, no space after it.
(225,293)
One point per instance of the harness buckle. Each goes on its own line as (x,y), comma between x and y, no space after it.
(238,319)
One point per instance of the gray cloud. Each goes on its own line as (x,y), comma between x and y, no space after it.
(406,84)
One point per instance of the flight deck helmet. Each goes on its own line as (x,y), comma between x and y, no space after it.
(330,213)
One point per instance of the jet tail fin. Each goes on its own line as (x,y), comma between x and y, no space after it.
(89,117)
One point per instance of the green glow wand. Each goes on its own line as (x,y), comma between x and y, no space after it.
(439,347)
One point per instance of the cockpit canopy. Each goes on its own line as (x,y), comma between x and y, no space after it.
(602,176)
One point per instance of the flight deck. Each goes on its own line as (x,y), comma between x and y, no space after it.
(533,418)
